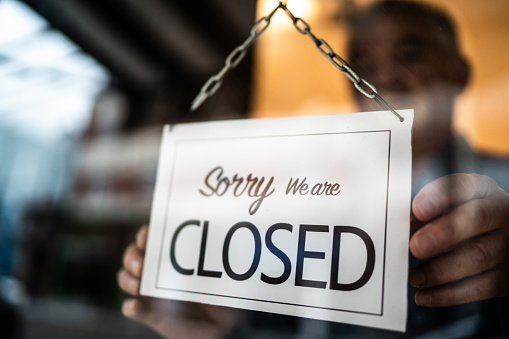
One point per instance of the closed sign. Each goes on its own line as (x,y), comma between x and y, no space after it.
(305,216)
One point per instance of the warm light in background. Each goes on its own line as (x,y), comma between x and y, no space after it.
(298,7)
(292,78)
(304,8)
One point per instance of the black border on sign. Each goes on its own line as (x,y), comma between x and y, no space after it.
(273,301)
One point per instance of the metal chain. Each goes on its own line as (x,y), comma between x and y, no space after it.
(214,82)
(212,85)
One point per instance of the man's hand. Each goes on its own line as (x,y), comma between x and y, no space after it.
(172,319)
(461,222)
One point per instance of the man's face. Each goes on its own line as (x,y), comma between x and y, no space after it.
(409,70)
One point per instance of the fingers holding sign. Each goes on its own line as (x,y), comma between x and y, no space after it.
(170,318)
(129,276)
(462,223)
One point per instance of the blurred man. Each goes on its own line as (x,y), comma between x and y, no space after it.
(460,226)
(409,52)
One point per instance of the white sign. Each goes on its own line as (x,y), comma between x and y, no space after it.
(305,216)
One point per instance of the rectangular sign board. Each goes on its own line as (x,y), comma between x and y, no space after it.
(304,216)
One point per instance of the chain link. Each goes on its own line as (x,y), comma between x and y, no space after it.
(213,84)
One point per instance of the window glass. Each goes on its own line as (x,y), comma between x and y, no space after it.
(80,138)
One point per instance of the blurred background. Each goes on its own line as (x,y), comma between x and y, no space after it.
(85,87)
